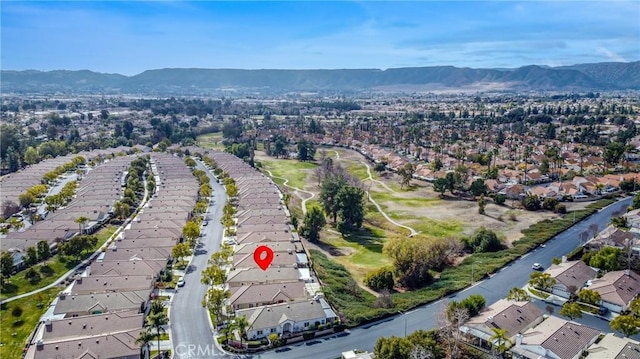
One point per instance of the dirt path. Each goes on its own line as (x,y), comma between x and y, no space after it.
(412,231)
(304,200)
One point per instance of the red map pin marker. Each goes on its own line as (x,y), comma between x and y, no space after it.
(263,257)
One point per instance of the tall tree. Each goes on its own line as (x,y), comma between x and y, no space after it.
(242,324)
(6,263)
(331,185)
(571,310)
(81,221)
(144,339)
(629,325)
(158,321)
(214,301)
(313,223)
(351,208)
(180,250)
(406,173)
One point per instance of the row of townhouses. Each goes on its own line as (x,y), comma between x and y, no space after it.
(286,298)
(101,313)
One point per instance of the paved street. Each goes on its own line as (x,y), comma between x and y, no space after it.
(190,329)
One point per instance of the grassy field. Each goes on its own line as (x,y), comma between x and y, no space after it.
(358,308)
(14,330)
(361,252)
(211,140)
(405,199)
(49,270)
(295,171)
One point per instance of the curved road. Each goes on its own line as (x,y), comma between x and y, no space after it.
(514,275)
(191,332)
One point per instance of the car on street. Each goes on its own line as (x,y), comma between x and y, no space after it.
(536,266)
(603,310)
(180,282)
(205,223)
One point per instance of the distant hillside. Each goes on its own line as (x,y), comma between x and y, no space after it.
(582,77)
(623,74)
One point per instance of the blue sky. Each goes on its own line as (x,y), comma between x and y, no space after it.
(130,37)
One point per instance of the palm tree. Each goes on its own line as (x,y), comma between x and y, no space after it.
(158,321)
(144,339)
(156,307)
(242,325)
(501,339)
(81,220)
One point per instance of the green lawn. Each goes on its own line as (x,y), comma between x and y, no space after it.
(294,170)
(211,140)
(364,248)
(359,170)
(405,199)
(14,331)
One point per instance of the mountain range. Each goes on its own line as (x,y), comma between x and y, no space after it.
(582,77)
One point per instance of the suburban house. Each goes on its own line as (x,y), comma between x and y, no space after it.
(110,335)
(68,305)
(612,347)
(287,318)
(554,338)
(617,289)
(570,277)
(611,237)
(254,295)
(513,317)
(249,275)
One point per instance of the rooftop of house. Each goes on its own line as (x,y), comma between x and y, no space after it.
(107,346)
(612,347)
(299,311)
(510,316)
(617,287)
(564,338)
(88,326)
(245,276)
(572,274)
(100,302)
(263,293)
(111,283)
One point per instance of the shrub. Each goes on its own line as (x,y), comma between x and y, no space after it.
(483,240)
(32,276)
(550,203)
(499,199)
(379,279)
(474,304)
(46,270)
(308,335)
(560,208)
(16,311)
(531,203)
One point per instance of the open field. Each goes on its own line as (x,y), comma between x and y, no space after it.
(416,206)
(211,140)
(295,171)
(14,330)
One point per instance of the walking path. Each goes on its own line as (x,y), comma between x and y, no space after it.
(412,231)
(286,184)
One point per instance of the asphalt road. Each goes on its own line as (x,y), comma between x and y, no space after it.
(494,288)
(190,329)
